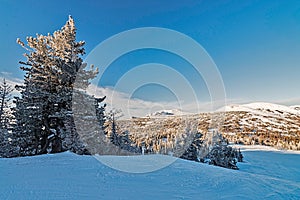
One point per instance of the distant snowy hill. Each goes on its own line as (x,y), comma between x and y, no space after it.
(263,107)
(173,112)
(252,124)
(263,123)
(263,175)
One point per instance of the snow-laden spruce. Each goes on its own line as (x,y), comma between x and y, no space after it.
(44,119)
(6,119)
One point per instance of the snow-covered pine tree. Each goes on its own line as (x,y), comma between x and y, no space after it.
(192,152)
(3,142)
(5,98)
(6,118)
(100,112)
(215,150)
(117,142)
(111,127)
(44,118)
(88,115)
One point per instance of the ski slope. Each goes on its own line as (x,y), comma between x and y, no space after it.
(265,174)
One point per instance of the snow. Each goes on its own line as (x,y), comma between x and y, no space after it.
(270,106)
(264,175)
(263,107)
(172,112)
(137,164)
(50,136)
(295,107)
(263,148)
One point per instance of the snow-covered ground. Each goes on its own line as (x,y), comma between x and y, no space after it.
(263,175)
(262,107)
(263,148)
(165,113)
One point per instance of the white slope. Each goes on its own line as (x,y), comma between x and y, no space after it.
(171,112)
(262,148)
(263,175)
(263,107)
(295,107)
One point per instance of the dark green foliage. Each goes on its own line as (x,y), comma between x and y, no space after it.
(44,115)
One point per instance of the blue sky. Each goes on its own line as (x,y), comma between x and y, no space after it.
(255,44)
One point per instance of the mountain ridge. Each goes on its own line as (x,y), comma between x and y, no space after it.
(257,123)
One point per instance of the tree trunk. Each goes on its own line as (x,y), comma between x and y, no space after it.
(56,145)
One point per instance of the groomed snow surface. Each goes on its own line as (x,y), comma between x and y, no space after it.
(265,174)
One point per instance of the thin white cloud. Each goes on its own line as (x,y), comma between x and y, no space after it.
(10,78)
(129,106)
(11,81)
(137,107)
(5,74)
(289,102)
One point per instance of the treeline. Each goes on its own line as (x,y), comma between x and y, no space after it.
(280,130)
(175,136)
(277,140)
